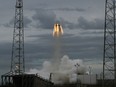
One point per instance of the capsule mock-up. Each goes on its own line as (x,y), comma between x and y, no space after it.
(58,30)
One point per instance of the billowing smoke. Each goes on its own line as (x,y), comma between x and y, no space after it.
(66,72)
(60,70)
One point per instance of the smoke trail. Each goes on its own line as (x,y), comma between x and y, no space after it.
(57,34)
(64,70)
(57,52)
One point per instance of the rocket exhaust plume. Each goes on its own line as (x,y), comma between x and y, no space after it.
(60,69)
(57,34)
(58,30)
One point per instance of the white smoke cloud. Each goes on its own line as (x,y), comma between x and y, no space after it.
(66,72)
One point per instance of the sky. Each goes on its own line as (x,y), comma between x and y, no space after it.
(82,21)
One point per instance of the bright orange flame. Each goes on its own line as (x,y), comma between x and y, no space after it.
(58,30)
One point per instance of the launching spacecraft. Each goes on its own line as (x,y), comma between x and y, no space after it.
(58,30)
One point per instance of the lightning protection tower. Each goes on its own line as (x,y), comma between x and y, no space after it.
(17,59)
(109,58)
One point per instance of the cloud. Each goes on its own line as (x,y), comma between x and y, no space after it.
(93,24)
(27,21)
(44,19)
(83,23)
(71,9)
(63,9)
(5,48)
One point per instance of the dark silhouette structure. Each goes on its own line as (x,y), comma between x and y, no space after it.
(109,57)
(17,59)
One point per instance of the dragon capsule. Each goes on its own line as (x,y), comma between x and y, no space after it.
(58,30)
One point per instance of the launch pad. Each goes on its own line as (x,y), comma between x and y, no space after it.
(30,80)
(33,80)
(17,77)
(25,80)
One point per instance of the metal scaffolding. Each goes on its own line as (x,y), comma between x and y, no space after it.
(17,59)
(109,57)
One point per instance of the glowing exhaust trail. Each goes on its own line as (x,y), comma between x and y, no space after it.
(57,34)
(58,30)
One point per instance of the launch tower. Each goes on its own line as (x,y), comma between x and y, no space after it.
(17,59)
(109,58)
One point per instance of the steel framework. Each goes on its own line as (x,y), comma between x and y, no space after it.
(109,58)
(17,59)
